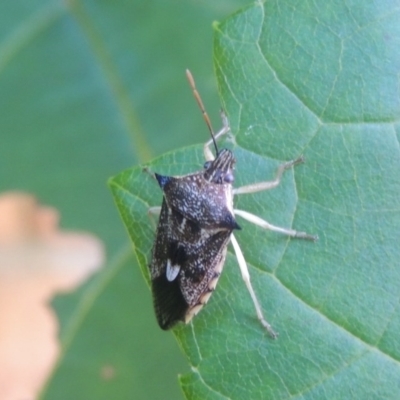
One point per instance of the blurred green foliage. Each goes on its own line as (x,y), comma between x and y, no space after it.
(86,89)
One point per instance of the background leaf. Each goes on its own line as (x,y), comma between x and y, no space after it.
(88,89)
(319,79)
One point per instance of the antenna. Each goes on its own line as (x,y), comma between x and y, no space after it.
(201,105)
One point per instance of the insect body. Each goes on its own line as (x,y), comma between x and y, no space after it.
(194,229)
(196,222)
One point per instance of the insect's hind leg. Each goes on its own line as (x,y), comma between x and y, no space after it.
(208,154)
(154,210)
(246,277)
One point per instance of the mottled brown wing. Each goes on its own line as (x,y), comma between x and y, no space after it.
(198,254)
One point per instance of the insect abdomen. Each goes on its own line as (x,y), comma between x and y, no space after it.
(183,297)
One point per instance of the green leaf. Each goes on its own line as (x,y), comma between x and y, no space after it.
(318,79)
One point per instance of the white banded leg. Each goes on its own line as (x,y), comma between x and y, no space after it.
(266,225)
(152,212)
(260,186)
(246,278)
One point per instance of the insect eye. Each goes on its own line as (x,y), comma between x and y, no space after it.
(229,178)
(207,164)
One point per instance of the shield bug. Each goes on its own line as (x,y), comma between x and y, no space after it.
(196,224)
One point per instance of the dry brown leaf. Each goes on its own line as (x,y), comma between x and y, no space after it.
(37,260)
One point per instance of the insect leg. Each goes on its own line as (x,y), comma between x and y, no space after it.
(266,225)
(260,186)
(208,155)
(147,171)
(152,211)
(246,277)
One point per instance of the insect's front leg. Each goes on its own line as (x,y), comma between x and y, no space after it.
(260,186)
(208,154)
(152,212)
(146,170)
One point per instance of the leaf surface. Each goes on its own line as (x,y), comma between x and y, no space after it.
(321,80)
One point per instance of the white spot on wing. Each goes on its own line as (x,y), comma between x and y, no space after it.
(172,271)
